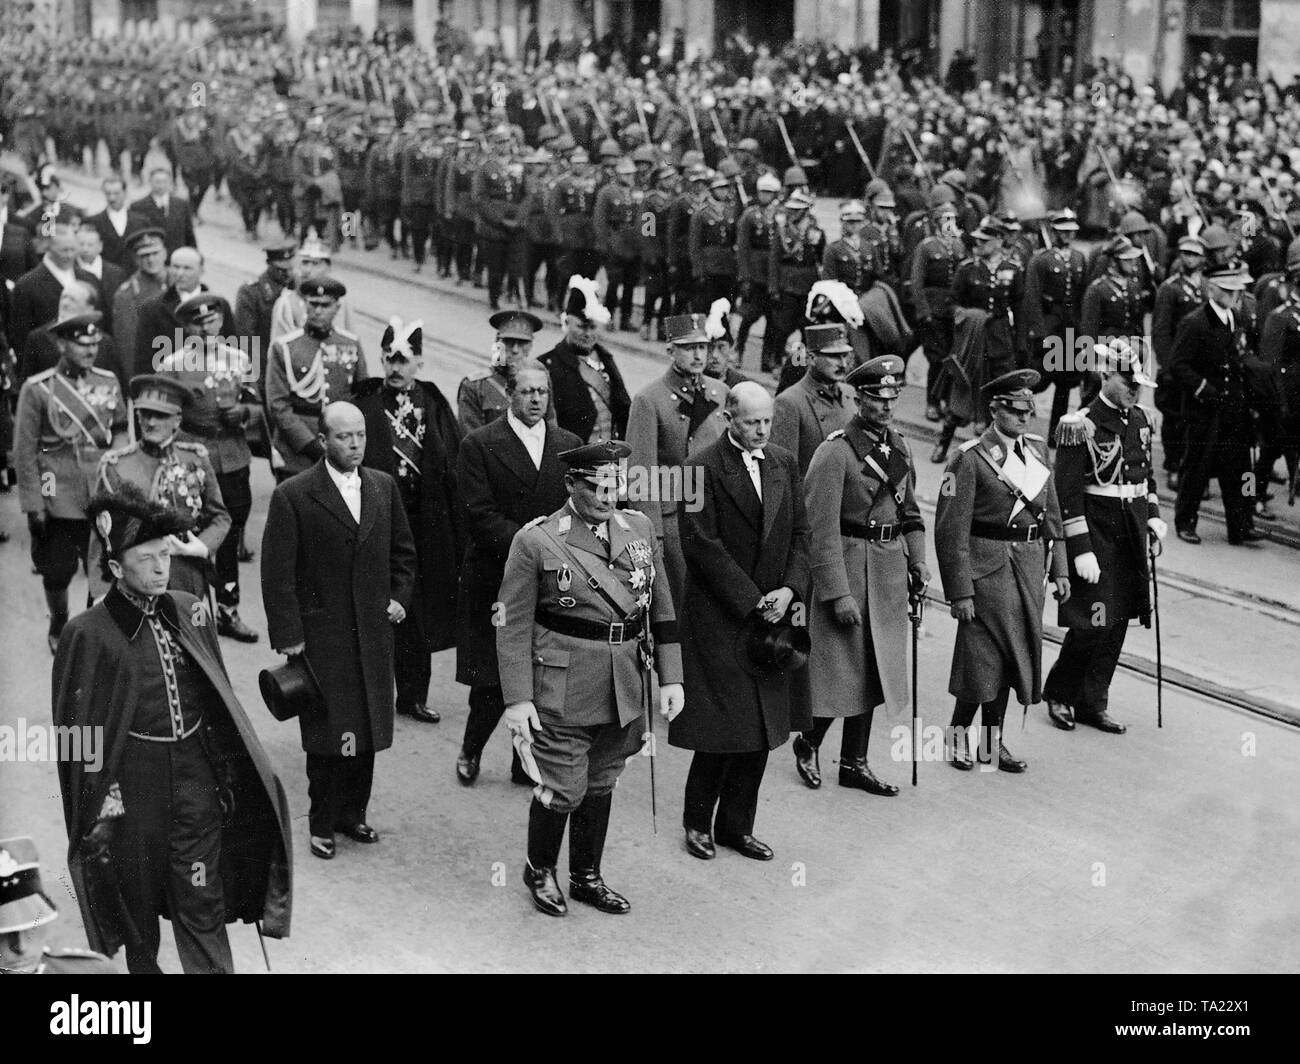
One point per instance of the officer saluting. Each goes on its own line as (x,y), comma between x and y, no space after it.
(997,508)
(587,627)
(1107,489)
(308,368)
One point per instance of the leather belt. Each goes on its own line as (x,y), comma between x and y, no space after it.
(166,738)
(1117,491)
(871,533)
(596,631)
(305,409)
(989,530)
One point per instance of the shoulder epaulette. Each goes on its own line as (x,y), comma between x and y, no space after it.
(103,372)
(1075,428)
(42,375)
(192,445)
(480,375)
(292,334)
(969,444)
(835,435)
(1035,437)
(535,522)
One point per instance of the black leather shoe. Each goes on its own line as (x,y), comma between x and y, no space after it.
(1061,714)
(860,777)
(700,844)
(246,555)
(959,754)
(1102,721)
(932,412)
(748,846)
(360,833)
(420,711)
(467,767)
(1007,763)
(805,762)
(590,888)
(323,847)
(547,896)
(1188,535)
(232,626)
(1251,535)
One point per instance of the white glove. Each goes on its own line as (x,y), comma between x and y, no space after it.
(1158,527)
(1087,568)
(189,547)
(672,699)
(521,718)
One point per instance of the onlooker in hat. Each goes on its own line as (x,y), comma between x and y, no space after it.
(338,570)
(746,550)
(290,310)
(577,722)
(1208,360)
(160,209)
(482,397)
(989,543)
(148,282)
(26,912)
(509,473)
(587,388)
(671,419)
(820,402)
(306,369)
(34,300)
(185,817)
(412,435)
(171,472)
(866,551)
(68,417)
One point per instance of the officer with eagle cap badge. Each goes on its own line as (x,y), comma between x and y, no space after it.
(866,544)
(587,632)
(996,517)
(1107,488)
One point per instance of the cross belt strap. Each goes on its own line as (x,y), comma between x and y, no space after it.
(592,582)
(1036,512)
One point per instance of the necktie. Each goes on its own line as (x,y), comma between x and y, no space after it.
(1020,451)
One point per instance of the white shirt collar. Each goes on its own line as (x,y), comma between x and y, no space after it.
(96,267)
(537,432)
(1221,313)
(343,481)
(64,277)
(747,455)
(1008,441)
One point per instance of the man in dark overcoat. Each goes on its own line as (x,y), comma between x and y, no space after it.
(412,435)
(338,571)
(746,551)
(509,473)
(185,817)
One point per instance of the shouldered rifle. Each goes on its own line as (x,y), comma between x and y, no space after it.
(862,152)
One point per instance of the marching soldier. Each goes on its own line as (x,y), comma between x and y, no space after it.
(290,310)
(308,368)
(617,221)
(172,472)
(458,200)
(496,193)
(866,549)
(246,175)
(680,267)
(352,151)
(215,375)
(881,233)
(381,203)
(712,245)
(796,252)
(851,258)
(670,419)
(1112,304)
(540,176)
(1177,296)
(483,396)
(588,633)
(572,204)
(934,268)
(1106,484)
(753,244)
(820,403)
(652,226)
(1054,288)
(420,169)
(68,417)
(280,171)
(317,191)
(991,531)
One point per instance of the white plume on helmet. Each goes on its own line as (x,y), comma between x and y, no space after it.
(841,297)
(593,309)
(715,326)
(398,336)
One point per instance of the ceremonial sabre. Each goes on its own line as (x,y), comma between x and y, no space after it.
(916,611)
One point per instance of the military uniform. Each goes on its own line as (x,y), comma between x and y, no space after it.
(308,369)
(853,262)
(481,399)
(795,254)
(934,269)
(1176,297)
(681,279)
(351,154)
(996,287)
(458,205)
(886,250)
(540,233)
(617,221)
(1053,294)
(382,200)
(1112,306)
(810,411)
(572,205)
(496,198)
(753,246)
(246,177)
(712,250)
(421,161)
(652,227)
(1107,491)
(317,191)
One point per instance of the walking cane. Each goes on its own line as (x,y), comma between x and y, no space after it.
(647,697)
(262,942)
(1155,609)
(916,602)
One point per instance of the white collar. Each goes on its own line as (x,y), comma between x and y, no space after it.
(96,266)
(64,277)
(1008,441)
(748,456)
(344,481)
(1222,314)
(186,295)
(537,431)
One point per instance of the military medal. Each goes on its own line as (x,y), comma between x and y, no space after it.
(564,580)
(640,551)
(568,601)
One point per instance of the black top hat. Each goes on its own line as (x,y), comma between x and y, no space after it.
(291,690)
(766,649)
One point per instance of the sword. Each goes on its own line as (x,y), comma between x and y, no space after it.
(1155,610)
(647,664)
(916,602)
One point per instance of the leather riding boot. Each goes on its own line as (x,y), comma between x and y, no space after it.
(57,601)
(587,829)
(940,452)
(545,834)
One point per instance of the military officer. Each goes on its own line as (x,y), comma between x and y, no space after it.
(308,368)
(420,165)
(68,417)
(290,310)
(820,402)
(851,259)
(255,300)
(992,528)
(148,282)
(616,218)
(540,177)
(1275,288)
(587,633)
(753,245)
(881,233)
(1054,288)
(934,268)
(317,191)
(712,245)
(1178,295)
(653,250)
(381,203)
(1112,304)
(482,397)
(572,204)
(352,150)
(216,415)
(670,419)
(866,547)
(496,193)
(26,911)
(174,472)
(458,201)
(680,268)
(1106,485)
(796,253)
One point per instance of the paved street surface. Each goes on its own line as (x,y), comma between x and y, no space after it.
(1162,850)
